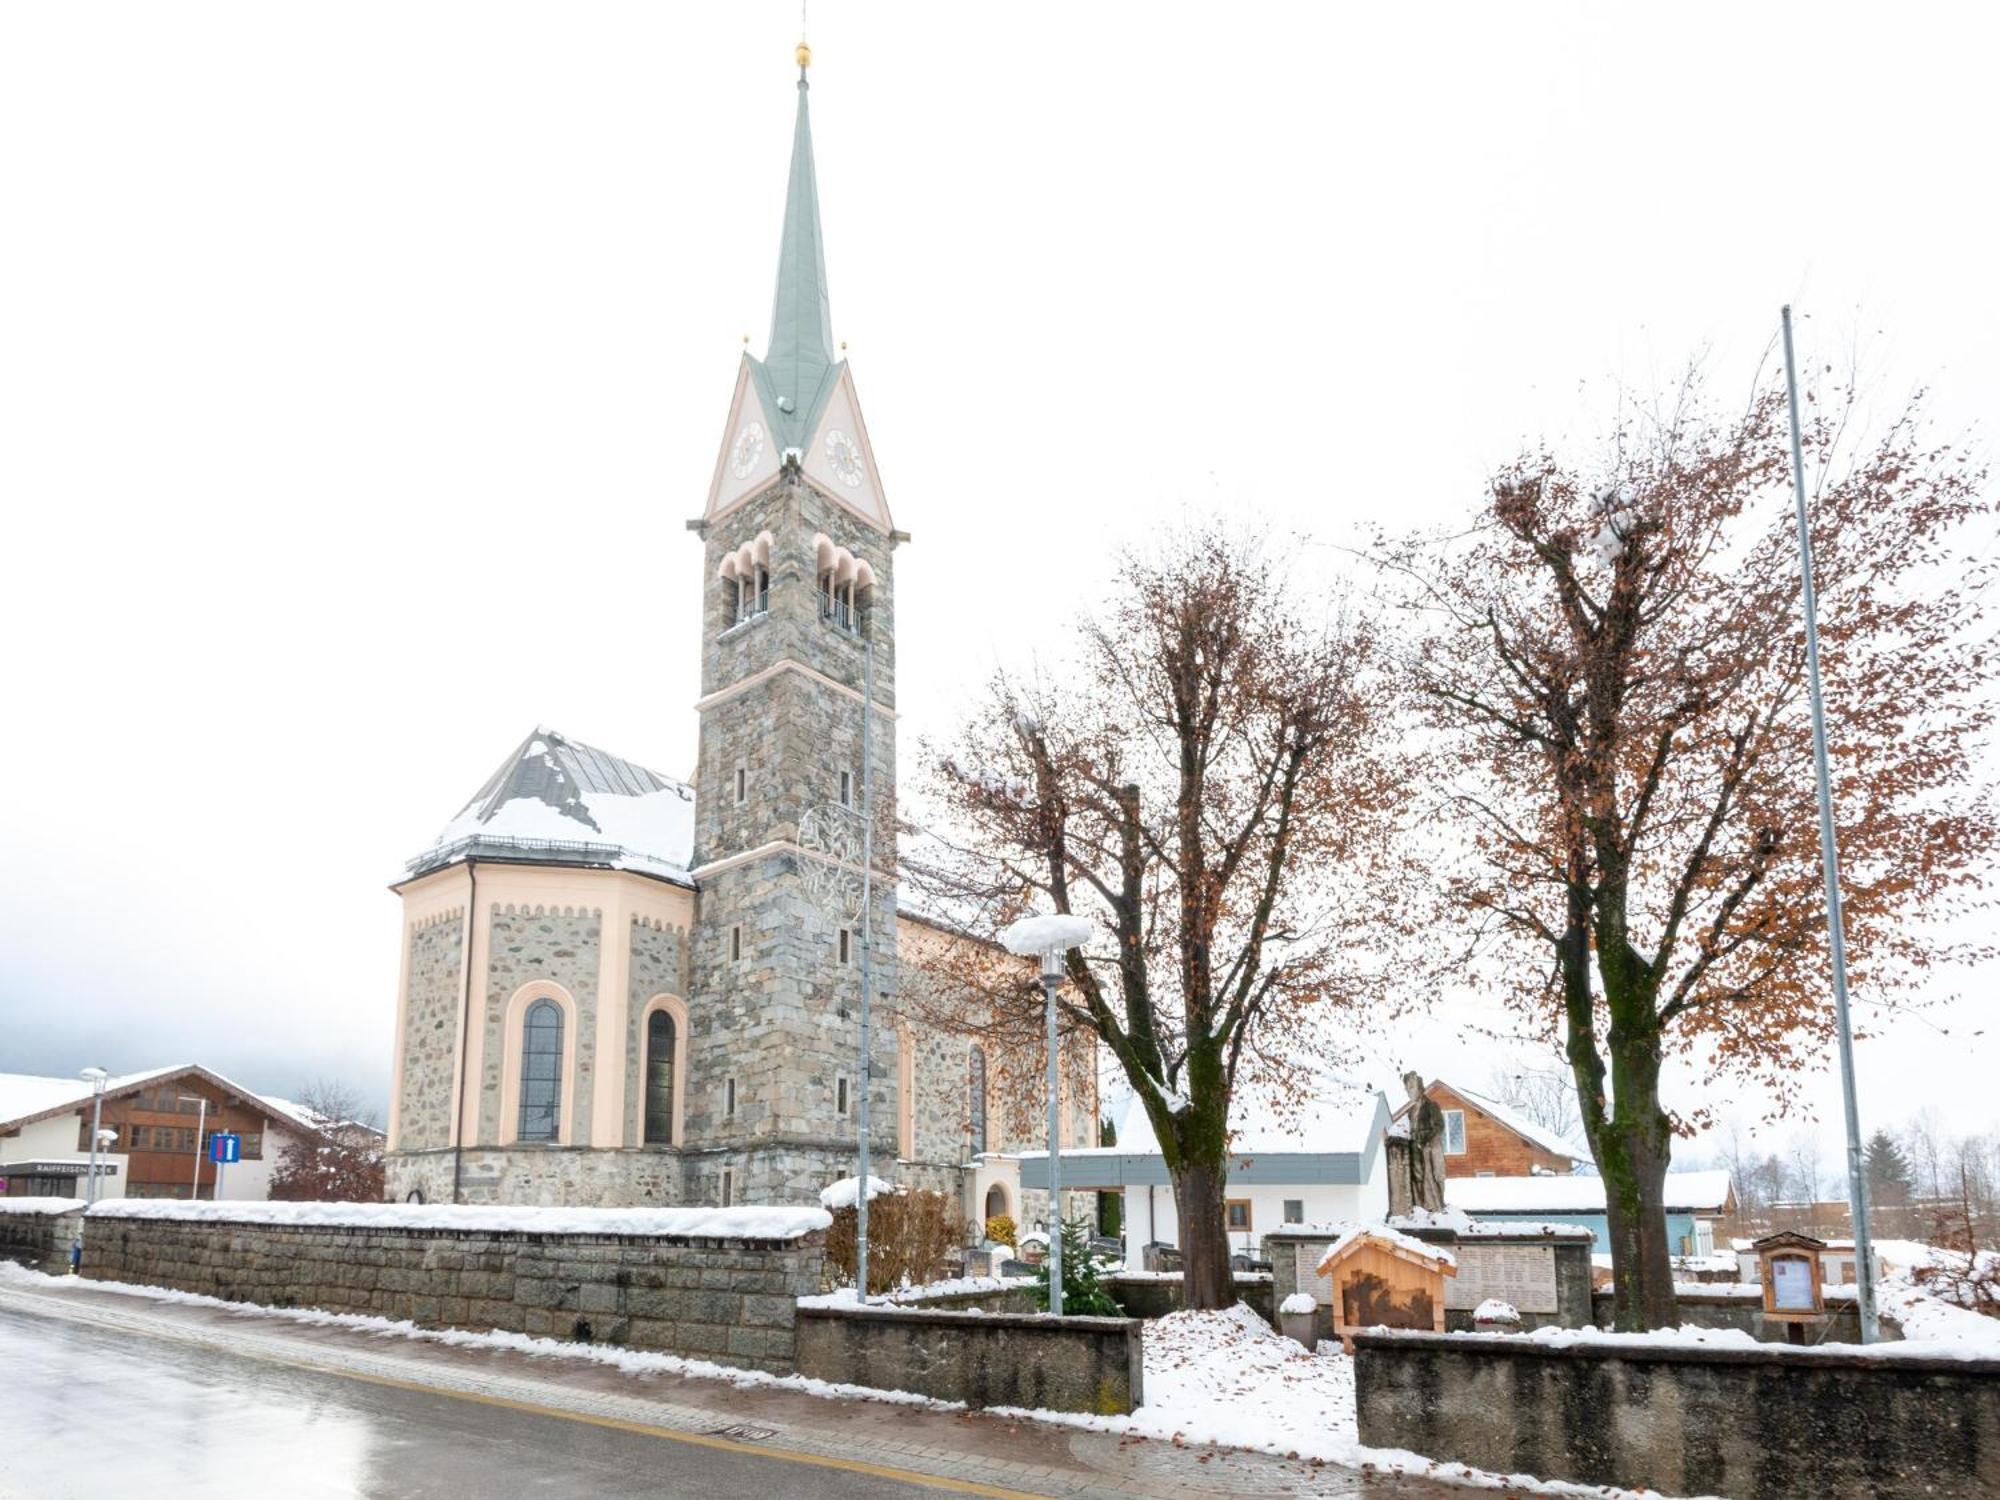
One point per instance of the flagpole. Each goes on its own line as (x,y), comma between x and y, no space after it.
(1829,855)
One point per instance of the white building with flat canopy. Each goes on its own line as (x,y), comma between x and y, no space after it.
(1317,1162)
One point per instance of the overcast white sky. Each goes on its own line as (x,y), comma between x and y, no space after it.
(359,366)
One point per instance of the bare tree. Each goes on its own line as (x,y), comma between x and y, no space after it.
(1612,662)
(1543,1094)
(340,1161)
(1207,788)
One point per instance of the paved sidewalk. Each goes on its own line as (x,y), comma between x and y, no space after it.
(791,1437)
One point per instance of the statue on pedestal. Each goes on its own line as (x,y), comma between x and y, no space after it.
(1425,1123)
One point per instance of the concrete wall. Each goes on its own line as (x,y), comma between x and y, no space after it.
(1753,1424)
(1062,1364)
(729,1300)
(1156,1296)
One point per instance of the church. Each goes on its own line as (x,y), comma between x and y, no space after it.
(618,989)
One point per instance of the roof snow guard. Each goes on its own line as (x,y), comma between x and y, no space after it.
(558,801)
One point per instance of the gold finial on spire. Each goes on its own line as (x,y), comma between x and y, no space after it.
(805,56)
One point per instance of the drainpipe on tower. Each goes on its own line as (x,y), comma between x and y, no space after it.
(464,1029)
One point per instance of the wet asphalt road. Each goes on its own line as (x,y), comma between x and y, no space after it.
(91,1413)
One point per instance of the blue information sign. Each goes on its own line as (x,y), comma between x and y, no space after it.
(226,1147)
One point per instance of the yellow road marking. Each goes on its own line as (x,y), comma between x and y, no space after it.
(669,1434)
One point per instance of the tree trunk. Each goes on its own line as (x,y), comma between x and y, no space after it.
(1207,1282)
(1633,1149)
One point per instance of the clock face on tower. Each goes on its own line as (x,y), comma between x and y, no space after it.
(747,449)
(844,456)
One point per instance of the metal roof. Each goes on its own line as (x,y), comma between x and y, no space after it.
(560,775)
(798,372)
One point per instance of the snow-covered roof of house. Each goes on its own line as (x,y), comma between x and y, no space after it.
(1701,1192)
(1513,1119)
(559,801)
(26,1097)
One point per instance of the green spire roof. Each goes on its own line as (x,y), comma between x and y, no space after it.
(798,370)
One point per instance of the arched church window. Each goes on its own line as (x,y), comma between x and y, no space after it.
(660,1043)
(975,1091)
(845,585)
(746,580)
(541,1071)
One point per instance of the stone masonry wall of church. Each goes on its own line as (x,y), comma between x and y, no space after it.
(430,1031)
(658,966)
(559,944)
(773,1020)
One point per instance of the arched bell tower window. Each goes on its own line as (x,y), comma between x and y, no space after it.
(541,1072)
(975,1101)
(846,586)
(661,1040)
(746,580)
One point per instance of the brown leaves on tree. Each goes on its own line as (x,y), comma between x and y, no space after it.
(1207,787)
(1609,668)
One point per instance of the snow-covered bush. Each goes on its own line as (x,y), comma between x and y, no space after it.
(910,1236)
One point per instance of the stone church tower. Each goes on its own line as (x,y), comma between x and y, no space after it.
(799,588)
(618,989)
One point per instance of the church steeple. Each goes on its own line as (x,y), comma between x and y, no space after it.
(797,405)
(798,362)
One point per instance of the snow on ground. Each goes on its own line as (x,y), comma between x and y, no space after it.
(1934,1326)
(909,1298)
(746,1223)
(1228,1378)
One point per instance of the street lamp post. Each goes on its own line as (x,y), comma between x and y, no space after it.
(1050,939)
(200,1129)
(96,1078)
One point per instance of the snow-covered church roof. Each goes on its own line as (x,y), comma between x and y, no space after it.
(559,801)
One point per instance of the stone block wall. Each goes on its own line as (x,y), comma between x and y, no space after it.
(36,1239)
(430,1031)
(1753,1424)
(723,1299)
(1061,1364)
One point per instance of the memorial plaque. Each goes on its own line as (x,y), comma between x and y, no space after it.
(1523,1275)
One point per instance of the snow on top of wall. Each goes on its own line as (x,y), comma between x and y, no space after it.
(1701,1191)
(1466,1227)
(747,1223)
(1343,1233)
(843,1193)
(39,1205)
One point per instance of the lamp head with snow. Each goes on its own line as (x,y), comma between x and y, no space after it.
(1047,938)
(92,1075)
